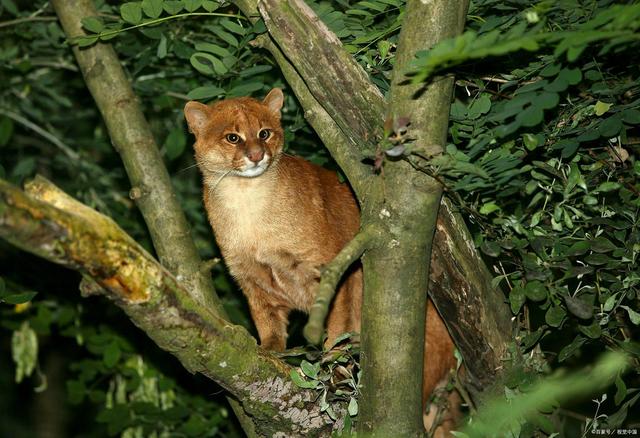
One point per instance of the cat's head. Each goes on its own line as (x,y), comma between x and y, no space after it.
(241,136)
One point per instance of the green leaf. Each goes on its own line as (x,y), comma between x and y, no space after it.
(131,12)
(152,8)
(488,208)
(571,349)
(192,5)
(10,6)
(300,382)
(633,315)
(593,331)
(610,127)
(532,338)
(93,24)
(530,117)
(621,390)
(210,5)
(536,291)
(76,391)
(631,116)
(578,248)
(309,369)
(233,27)
(601,107)
(554,316)
(608,186)
(212,48)
(19,298)
(175,143)
(6,130)
(111,354)
(86,41)
(575,178)
(573,76)
(597,259)
(480,106)
(245,89)
(172,7)
(610,303)
(602,244)
(578,307)
(353,407)
(490,248)
(550,70)
(24,351)
(25,167)
(205,92)
(207,64)
(516,299)
(546,100)
(530,141)
(162,47)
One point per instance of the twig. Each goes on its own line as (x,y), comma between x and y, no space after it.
(208,265)
(38,130)
(332,274)
(25,20)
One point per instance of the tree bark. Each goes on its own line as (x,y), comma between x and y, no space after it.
(397,273)
(151,186)
(459,275)
(52,225)
(132,138)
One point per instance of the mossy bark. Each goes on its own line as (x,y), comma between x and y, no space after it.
(459,275)
(397,273)
(131,136)
(51,224)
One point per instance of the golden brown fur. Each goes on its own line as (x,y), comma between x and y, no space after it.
(278,219)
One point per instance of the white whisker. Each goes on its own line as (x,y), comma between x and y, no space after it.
(220,179)
(188,167)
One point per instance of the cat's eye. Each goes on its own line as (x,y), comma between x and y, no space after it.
(264,134)
(233,138)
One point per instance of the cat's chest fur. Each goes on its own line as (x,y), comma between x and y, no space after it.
(256,231)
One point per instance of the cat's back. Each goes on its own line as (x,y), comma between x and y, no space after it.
(317,193)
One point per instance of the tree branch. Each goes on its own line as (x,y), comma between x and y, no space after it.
(308,44)
(338,144)
(331,275)
(474,311)
(453,260)
(132,137)
(55,226)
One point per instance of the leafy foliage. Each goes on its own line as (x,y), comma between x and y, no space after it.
(542,158)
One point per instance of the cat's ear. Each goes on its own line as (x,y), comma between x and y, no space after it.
(197,115)
(274,100)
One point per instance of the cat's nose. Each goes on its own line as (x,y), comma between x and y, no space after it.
(255,155)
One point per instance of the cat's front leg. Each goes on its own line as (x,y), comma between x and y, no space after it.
(269,317)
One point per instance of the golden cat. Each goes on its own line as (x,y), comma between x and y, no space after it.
(278,219)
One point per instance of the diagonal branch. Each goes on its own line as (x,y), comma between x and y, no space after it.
(132,137)
(297,29)
(338,144)
(52,225)
(331,275)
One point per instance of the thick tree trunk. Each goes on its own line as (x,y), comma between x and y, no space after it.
(396,273)
(459,275)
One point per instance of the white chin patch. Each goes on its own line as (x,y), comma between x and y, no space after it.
(251,170)
(250,173)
